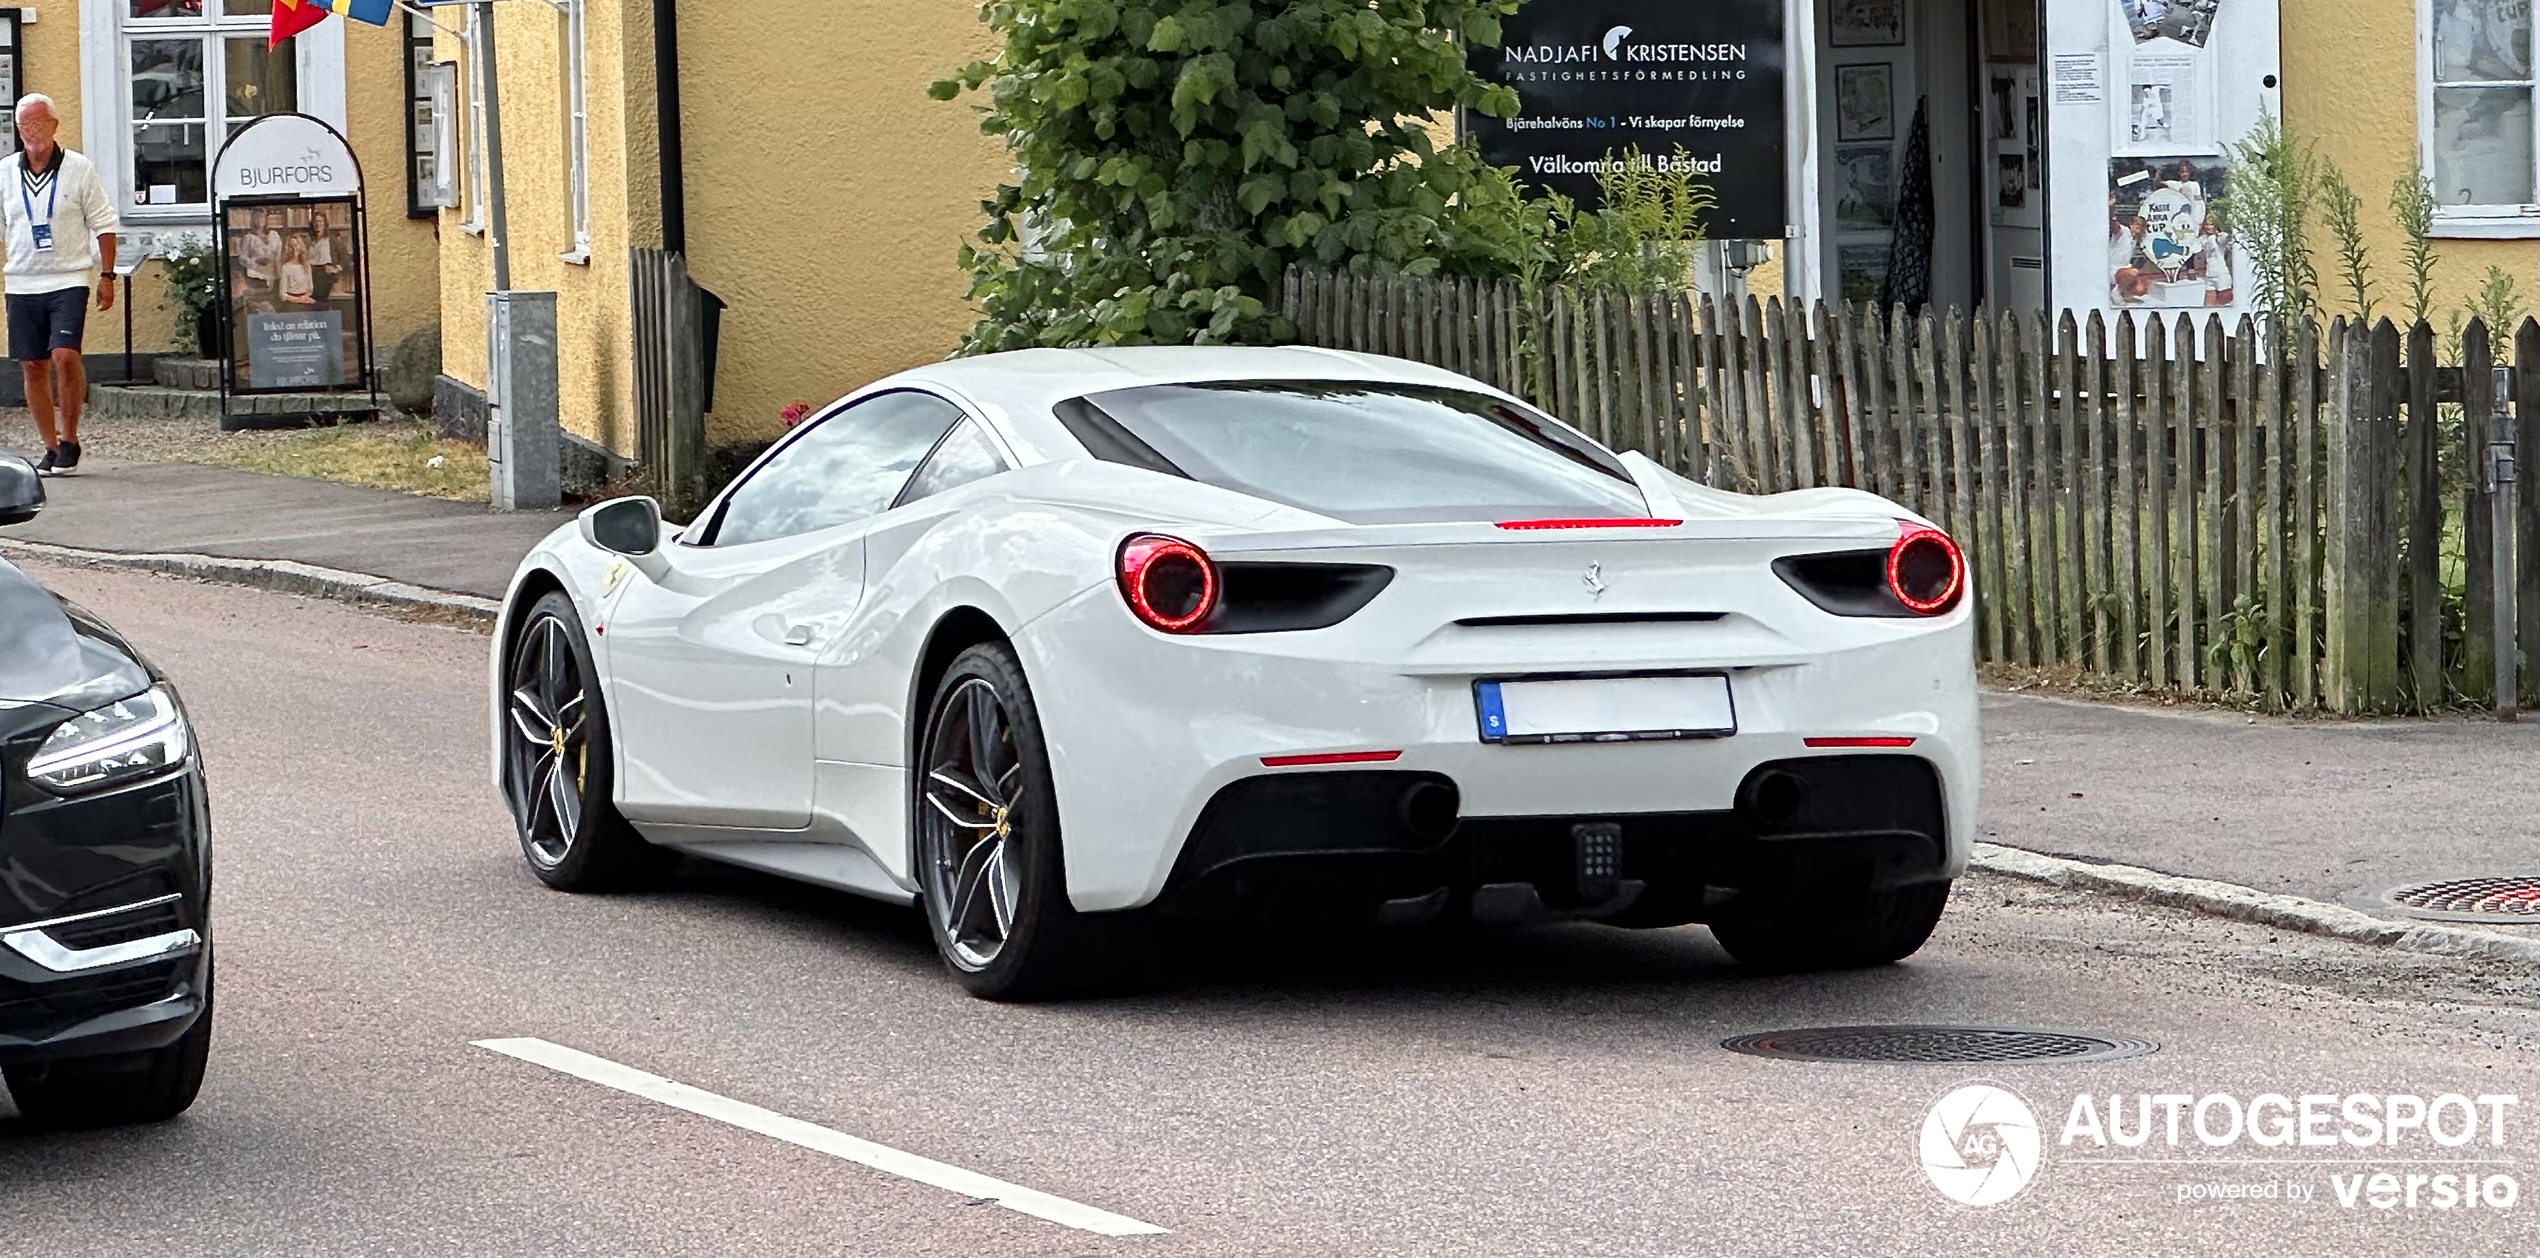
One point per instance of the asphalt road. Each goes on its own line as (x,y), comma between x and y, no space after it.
(1550,1091)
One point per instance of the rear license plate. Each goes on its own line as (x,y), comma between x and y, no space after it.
(1605,709)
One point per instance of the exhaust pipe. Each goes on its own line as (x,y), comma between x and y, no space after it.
(1428,809)
(1776,796)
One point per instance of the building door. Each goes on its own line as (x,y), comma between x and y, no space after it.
(1877,64)
(2009,118)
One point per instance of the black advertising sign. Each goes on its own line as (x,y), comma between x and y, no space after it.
(1601,76)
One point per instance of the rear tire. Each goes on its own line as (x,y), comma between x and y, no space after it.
(560,763)
(991,870)
(147,1087)
(1881,927)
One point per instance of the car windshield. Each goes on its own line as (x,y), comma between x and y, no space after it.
(1363,451)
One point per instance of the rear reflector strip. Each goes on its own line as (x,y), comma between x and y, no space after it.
(1332,757)
(1585,522)
(1860,742)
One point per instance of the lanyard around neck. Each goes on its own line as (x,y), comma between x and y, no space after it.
(52,192)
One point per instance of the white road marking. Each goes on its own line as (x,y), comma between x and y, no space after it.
(837,1144)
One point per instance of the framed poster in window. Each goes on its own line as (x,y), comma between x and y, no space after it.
(12,67)
(436,169)
(1865,102)
(423,125)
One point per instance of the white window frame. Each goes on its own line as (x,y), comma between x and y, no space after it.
(2473,222)
(106,93)
(577,131)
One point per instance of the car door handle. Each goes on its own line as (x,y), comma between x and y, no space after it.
(799,635)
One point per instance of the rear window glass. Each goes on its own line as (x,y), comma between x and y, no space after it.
(1370,453)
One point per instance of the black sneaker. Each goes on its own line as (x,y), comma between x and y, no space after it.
(69,450)
(50,465)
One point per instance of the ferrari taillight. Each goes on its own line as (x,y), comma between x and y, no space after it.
(1169,583)
(1925,571)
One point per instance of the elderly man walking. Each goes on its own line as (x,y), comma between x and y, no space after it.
(60,229)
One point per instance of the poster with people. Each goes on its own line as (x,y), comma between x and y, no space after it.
(2170,245)
(2190,22)
(295,300)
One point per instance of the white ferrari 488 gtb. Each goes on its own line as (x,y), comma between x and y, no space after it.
(1058,643)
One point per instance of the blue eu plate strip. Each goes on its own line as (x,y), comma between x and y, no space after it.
(1494,719)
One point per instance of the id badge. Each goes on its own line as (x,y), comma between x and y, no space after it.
(43,236)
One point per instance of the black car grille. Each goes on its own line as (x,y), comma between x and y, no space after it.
(35,1010)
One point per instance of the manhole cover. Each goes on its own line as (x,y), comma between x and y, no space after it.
(2510,899)
(1982,1044)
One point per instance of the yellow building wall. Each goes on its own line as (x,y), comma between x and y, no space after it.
(404,252)
(2350,87)
(827,195)
(595,370)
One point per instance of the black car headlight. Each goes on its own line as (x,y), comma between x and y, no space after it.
(127,739)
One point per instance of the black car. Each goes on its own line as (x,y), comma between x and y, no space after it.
(105,863)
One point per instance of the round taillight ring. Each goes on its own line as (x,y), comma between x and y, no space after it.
(1925,571)
(1168,583)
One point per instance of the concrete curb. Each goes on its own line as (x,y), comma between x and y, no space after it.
(2248,904)
(281,575)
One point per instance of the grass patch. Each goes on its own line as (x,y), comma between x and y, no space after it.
(367,454)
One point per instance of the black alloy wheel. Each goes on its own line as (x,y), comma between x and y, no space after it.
(989,862)
(972,799)
(558,769)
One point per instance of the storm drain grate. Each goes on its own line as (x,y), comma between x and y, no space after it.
(2511,899)
(1908,1044)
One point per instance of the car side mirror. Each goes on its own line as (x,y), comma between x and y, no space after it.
(630,527)
(21,490)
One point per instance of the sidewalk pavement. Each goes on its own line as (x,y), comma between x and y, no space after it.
(2330,810)
(188,508)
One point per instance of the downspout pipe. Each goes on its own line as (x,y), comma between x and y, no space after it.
(674,180)
(498,221)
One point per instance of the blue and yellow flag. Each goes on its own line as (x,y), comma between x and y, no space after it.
(375,12)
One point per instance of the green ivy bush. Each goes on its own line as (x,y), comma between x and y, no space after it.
(1175,156)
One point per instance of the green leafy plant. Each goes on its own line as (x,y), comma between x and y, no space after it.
(2242,644)
(2412,203)
(192,271)
(2499,302)
(2344,211)
(1175,156)
(2275,185)
(1641,238)
(1644,235)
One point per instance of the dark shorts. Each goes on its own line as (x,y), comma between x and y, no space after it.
(40,323)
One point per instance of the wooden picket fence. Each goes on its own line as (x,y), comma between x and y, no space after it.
(2295,516)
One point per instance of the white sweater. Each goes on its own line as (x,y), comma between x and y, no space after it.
(82,211)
